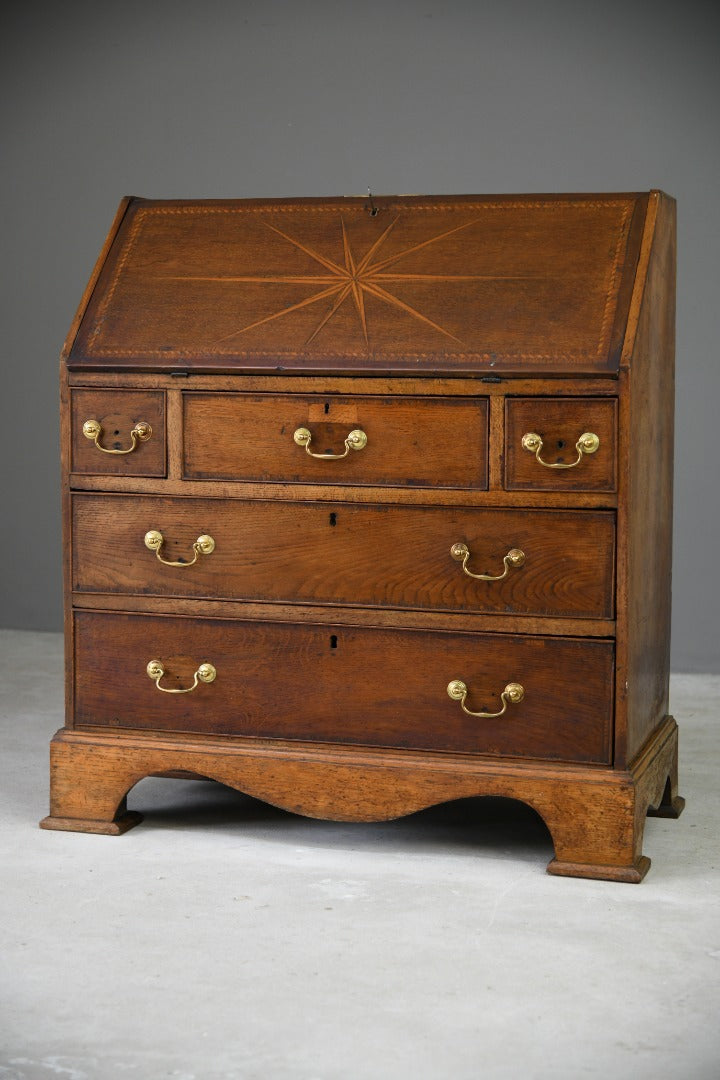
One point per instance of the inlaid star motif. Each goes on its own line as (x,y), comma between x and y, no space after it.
(368,276)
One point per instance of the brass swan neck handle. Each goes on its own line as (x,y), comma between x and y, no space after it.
(204,545)
(588,443)
(206,673)
(355,440)
(512,694)
(92,430)
(461,553)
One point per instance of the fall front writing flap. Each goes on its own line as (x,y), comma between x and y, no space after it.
(526,284)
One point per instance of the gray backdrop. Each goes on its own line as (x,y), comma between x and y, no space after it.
(220,98)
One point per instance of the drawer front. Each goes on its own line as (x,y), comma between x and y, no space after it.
(422,442)
(311,683)
(541,464)
(127,437)
(388,556)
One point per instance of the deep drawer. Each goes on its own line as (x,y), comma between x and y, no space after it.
(423,442)
(544,450)
(340,553)
(293,681)
(118,432)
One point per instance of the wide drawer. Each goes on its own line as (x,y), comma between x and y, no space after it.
(424,442)
(118,432)
(333,683)
(561,444)
(341,553)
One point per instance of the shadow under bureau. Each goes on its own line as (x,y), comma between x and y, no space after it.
(368,507)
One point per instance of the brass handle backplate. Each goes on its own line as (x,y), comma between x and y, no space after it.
(206,673)
(512,694)
(356,440)
(204,545)
(92,430)
(514,557)
(588,443)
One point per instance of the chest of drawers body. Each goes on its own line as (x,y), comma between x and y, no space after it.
(383,500)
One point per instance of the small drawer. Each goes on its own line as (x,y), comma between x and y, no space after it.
(310,683)
(560,444)
(533,562)
(118,432)
(403,441)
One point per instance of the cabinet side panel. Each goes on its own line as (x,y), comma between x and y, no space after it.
(648,489)
(66,539)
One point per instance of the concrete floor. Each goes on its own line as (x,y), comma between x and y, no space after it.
(225,939)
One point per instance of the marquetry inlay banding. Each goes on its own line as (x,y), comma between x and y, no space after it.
(420,282)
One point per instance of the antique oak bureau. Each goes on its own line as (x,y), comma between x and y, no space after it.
(368,507)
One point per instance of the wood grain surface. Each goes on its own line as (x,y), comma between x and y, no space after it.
(347,684)
(410,441)
(645,525)
(595,815)
(118,411)
(560,423)
(376,556)
(499,283)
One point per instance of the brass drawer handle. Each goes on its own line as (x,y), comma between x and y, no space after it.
(512,694)
(205,673)
(204,545)
(356,440)
(586,444)
(92,430)
(514,557)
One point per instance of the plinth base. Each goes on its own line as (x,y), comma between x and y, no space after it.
(595,816)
